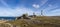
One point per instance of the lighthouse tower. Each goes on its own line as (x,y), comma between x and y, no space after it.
(41,12)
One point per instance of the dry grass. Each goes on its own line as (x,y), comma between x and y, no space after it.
(39,21)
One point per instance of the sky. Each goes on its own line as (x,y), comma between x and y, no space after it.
(19,7)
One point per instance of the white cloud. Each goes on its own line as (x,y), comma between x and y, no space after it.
(14,12)
(4,3)
(43,2)
(20,11)
(56,10)
(50,8)
(36,6)
(53,13)
(50,5)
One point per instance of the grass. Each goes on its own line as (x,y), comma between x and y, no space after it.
(39,21)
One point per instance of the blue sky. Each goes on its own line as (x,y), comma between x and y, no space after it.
(19,7)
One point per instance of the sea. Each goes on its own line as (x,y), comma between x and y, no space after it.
(7,18)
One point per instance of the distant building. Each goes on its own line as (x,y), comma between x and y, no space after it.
(24,16)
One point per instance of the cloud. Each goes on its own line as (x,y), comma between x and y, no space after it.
(4,3)
(56,11)
(53,13)
(36,6)
(19,11)
(14,12)
(50,8)
(50,5)
(43,2)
